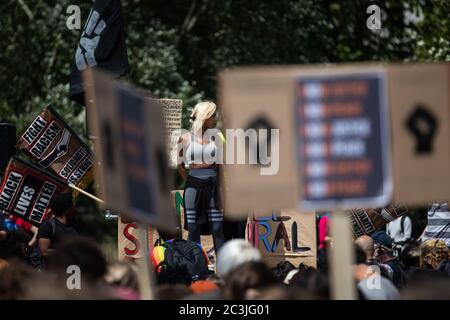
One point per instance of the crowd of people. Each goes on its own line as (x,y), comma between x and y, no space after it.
(36,264)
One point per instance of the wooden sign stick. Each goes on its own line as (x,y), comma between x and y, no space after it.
(144,275)
(87,194)
(341,258)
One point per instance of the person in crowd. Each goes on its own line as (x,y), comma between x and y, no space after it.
(312,282)
(3,264)
(433,253)
(400,230)
(246,281)
(3,228)
(235,253)
(366,244)
(173,292)
(438,222)
(122,277)
(323,238)
(88,276)
(52,231)
(384,255)
(371,284)
(3,237)
(201,193)
(427,285)
(14,278)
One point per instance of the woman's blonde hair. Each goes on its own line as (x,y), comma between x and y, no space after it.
(432,253)
(201,112)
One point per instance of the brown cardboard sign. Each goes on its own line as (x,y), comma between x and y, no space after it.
(132,151)
(420,114)
(414,142)
(249,99)
(172,111)
(289,235)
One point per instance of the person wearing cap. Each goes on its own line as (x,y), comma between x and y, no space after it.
(384,254)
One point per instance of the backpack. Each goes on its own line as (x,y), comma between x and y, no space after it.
(34,256)
(181,257)
(415,232)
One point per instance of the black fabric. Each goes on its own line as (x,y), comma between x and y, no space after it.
(397,276)
(184,256)
(206,191)
(2,222)
(234,229)
(102,45)
(60,232)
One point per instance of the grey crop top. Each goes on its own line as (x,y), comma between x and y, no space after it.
(200,153)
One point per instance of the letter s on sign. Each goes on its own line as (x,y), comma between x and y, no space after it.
(132,239)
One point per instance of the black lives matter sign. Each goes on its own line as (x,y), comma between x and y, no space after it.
(342,141)
(26,191)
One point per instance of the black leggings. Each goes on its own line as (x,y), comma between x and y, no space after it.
(215,217)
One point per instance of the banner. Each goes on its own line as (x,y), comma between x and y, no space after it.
(55,146)
(102,44)
(26,191)
(129,242)
(366,221)
(172,110)
(131,146)
(286,236)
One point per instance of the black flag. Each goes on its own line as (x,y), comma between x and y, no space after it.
(102,45)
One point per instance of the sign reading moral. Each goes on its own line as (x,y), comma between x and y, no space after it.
(342,140)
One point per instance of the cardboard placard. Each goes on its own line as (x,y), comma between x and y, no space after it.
(366,221)
(26,191)
(172,111)
(342,133)
(287,236)
(132,151)
(128,240)
(417,101)
(54,145)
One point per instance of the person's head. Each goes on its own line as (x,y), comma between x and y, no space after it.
(83,253)
(234,253)
(382,245)
(247,280)
(312,282)
(3,264)
(426,285)
(62,205)
(122,274)
(14,278)
(172,291)
(432,253)
(366,244)
(204,117)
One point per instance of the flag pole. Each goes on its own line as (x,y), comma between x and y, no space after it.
(87,194)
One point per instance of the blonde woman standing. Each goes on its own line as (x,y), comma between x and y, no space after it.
(201,193)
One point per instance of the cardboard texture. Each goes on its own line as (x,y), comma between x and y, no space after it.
(289,236)
(249,94)
(420,177)
(132,151)
(172,112)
